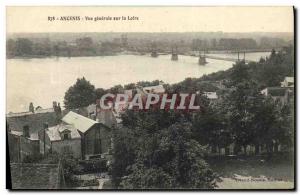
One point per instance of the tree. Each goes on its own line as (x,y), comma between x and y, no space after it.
(209,128)
(123,154)
(266,126)
(99,92)
(81,94)
(169,158)
(116,89)
(239,73)
(69,164)
(10,48)
(242,103)
(84,43)
(130,86)
(155,149)
(23,47)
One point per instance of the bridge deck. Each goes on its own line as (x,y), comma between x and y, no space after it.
(225,59)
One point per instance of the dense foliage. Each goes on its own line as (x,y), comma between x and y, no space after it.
(156,149)
(81,94)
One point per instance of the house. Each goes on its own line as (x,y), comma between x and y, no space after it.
(157,89)
(34,121)
(211,95)
(104,116)
(36,176)
(95,136)
(23,128)
(280,94)
(288,82)
(61,138)
(22,145)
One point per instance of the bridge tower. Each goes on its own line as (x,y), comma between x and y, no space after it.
(174,56)
(154,53)
(202,59)
(244,56)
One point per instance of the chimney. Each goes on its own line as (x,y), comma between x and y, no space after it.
(54,105)
(46,125)
(31,107)
(57,110)
(58,107)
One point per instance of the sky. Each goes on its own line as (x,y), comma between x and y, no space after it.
(151,19)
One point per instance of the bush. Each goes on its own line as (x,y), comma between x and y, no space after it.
(94,166)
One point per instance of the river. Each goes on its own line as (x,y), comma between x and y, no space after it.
(43,80)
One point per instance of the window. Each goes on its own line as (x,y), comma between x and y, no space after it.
(66,136)
(26,131)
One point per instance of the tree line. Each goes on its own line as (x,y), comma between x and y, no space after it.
(87,46)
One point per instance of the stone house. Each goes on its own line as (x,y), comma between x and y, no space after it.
(95,136)
(34,120)
(22,145)
(283,94)
(279,94)
(61,138)
(23,128)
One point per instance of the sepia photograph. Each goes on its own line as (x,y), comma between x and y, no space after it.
(150,98)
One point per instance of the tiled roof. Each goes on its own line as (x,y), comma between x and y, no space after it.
(54,132)
(35,176)
(78,121)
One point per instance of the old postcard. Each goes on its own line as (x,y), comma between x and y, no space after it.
(148,98)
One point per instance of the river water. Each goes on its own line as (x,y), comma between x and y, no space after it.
(43,80)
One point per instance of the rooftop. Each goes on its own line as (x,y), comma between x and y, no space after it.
(211,95)
(39,111)
(33,136)
(78,121)
(54,132)
(154,89)
(276,91)
(289,79)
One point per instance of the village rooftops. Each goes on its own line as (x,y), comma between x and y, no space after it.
(54,132)
(35,176)
(78,121)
